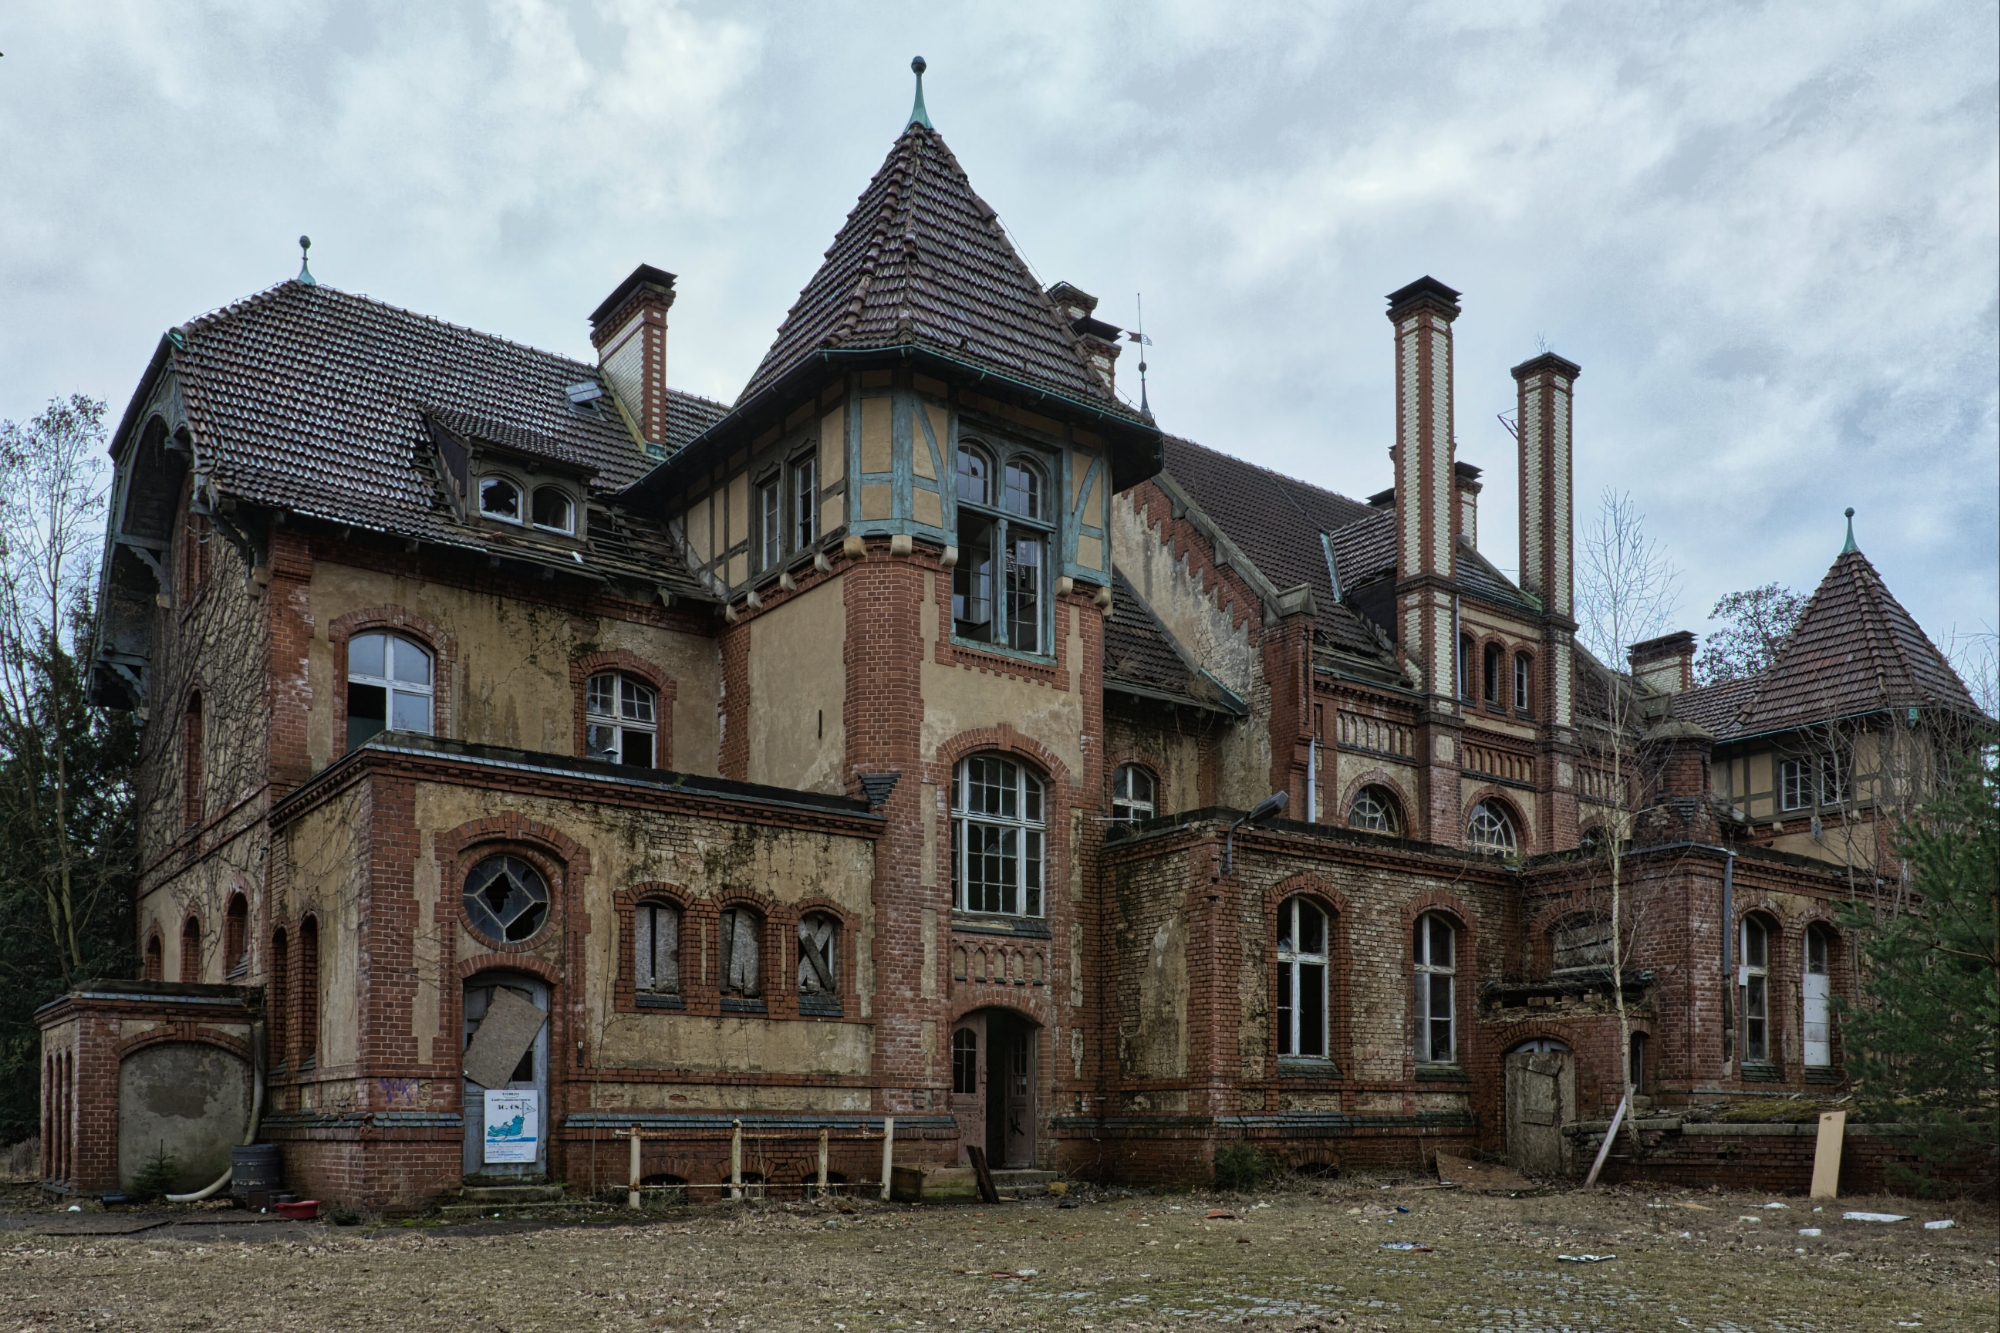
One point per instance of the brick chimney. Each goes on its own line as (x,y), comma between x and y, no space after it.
(1425,488)
(1544,386)
(1098,339)
(1465,477)
(629,330)
(1664,665)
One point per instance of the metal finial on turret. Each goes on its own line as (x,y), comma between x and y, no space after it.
(919,116)
(305,273)
(1850,547)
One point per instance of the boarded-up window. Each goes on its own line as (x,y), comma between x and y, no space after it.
(1582,942)
(656,935)
(191,949)
(741,928)
(819,934)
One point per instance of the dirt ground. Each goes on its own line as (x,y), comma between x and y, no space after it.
(1305,1260)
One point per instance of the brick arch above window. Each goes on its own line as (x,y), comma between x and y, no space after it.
(664,688)
(1498,797)
(443,648)
(179,1032)
(1305,884)
(1379,777)
(563,863)
(473,964)
(1002,739)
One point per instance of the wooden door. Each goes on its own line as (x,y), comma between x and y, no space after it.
(529,1073)
(1020,1096)
(1541,1099)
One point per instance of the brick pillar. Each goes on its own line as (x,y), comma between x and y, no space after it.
(629,331)
(1544,388)
(1426,554)
(883,714)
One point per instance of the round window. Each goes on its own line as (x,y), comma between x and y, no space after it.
(506,899)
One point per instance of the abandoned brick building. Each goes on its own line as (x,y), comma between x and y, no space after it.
(878,745)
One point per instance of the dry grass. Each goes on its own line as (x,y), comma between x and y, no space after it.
(1309,1259)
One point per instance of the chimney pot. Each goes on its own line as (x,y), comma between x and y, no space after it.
(1098,339)
(629,330)
(1466,478)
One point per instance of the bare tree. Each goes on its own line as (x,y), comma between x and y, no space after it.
(1626,593)
(51,510)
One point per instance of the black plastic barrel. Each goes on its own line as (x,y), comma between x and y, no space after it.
(255,1166)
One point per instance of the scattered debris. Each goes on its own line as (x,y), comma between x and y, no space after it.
(1777,1205)
(1809,1231)
(1875,1217)
(1939,1225)
(1481,1176)
(1698,1207)
(1585,1258)
(1405,1245)
(1218,1214)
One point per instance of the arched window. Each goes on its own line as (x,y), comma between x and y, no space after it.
(965,1062)
(192,795)
(1465,667)
(999,588)
(308,992)
(621,719)
(1302,951)
(388,686)
(1754,990)
(819,947)
(1490,829)
(1435,946)
(1375,810)
(191,949)
(656,949)
(554,511)
(742,952)
(506,899)
(996,837)
(1639,1070)
(1524,681)
(501,499)
(156,964)
(1816,997)
(281,995)
(236,937)
(1132,794)
(1581,942)
(1492,672)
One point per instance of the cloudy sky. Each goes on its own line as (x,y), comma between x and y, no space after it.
(1770,233)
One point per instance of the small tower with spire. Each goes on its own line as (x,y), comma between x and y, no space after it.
(305,273)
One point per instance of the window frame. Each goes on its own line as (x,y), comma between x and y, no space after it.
(1524,684)
(802,494)
(728,940)
(1029,886)
(235,937)
(1390,809)
(1292,963)
(389,684)
(769,517)
(1491,659)
(503,938)
(1754,990)
(964,1062)
(827,988)
(1468,691)
(520,517)
(1044,528)
(1795,785)
(1136,810)
(1501,815)
(1429,973)
(646,915)
(616,720)
(570,507)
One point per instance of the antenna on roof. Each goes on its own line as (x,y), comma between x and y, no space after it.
(919,116)
(1138,336)
(1850,547)
(305,274)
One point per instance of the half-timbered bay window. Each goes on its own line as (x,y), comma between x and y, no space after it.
(1301,980)
(656,949)
(1001,583)
(388,686)
(805,501)
(996,837)
(770,525)
(1435,947)
(621,720)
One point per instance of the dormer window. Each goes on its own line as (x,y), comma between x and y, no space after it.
(500,499)
(554,510)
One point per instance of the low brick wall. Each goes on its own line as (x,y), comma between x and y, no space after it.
(1775,1159)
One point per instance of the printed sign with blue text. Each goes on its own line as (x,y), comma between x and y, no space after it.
(513,1125)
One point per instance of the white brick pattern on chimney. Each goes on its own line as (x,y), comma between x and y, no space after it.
(1557,598)
(1443,485)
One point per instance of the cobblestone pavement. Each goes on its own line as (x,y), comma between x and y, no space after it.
(1310,1260)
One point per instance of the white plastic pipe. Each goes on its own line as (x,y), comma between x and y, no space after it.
(256,1114)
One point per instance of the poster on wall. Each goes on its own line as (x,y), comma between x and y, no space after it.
(513,1125)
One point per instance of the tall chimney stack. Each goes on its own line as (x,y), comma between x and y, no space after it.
(1426,493)
(1466,478)
(1544,387)
(629,330)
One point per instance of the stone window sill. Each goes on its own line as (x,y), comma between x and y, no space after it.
(1306,1067)
(661,1002)
(732,1004)
(1442,1074)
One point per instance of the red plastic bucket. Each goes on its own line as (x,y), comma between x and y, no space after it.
(303,1210)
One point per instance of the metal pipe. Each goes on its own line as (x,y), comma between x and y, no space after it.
(888,1151)
(632,1196)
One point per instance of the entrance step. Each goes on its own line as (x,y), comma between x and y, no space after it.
(1021,1183)
(479,1196)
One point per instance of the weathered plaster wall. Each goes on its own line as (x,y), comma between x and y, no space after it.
(958,699)
(325,855)
(798,684)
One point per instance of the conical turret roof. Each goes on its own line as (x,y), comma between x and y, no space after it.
(922,261)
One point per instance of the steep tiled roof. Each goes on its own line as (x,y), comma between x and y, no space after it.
(1365,548)
(1477,575)
(1277,521)
(923,261)
(312,399)
(1717,707)
(1855,650)
(1140,653)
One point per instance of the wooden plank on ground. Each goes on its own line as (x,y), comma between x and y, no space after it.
(987,1191)
(1826,1154)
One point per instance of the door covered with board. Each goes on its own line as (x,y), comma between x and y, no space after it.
(506,1055)
(1541,1099)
